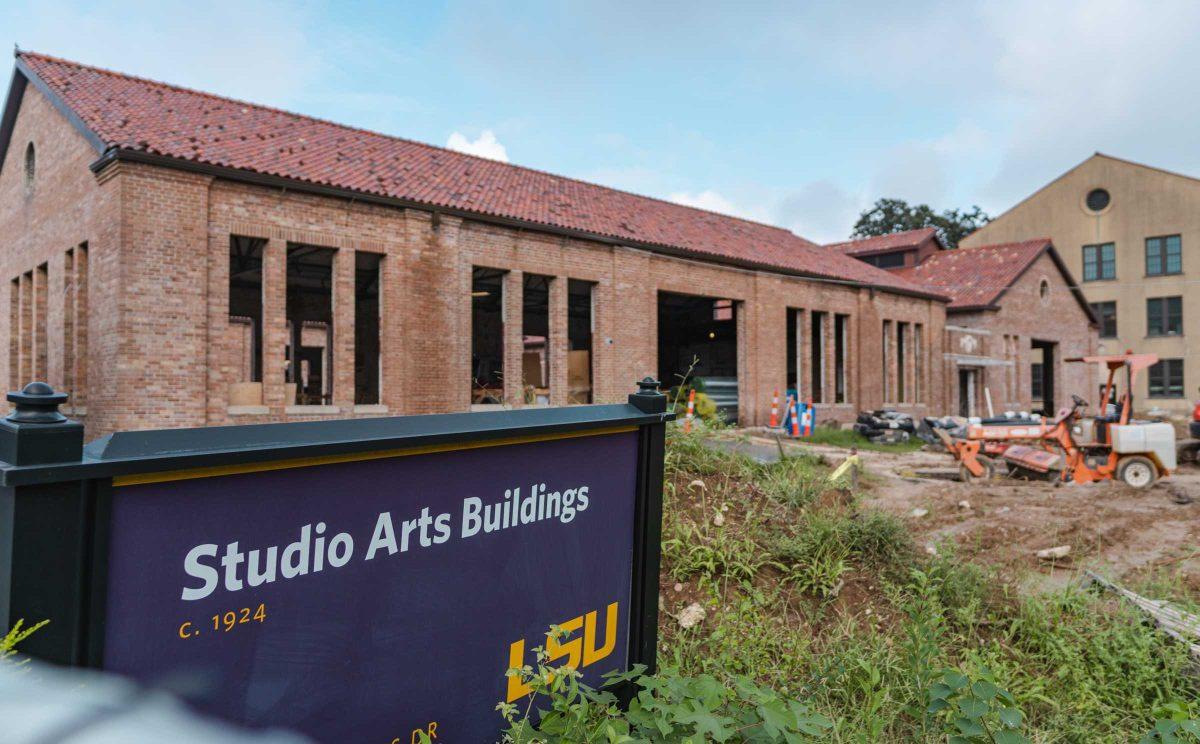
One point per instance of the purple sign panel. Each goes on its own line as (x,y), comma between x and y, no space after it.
(363,601)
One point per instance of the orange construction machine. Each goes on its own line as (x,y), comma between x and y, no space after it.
(1074,447)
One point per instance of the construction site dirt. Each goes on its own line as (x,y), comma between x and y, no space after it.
(1108,527)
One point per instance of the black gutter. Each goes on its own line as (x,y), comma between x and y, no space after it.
(281,182)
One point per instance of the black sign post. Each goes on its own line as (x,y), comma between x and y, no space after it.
(352,579)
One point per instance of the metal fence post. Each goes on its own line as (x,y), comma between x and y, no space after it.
(643,618)
(44,529)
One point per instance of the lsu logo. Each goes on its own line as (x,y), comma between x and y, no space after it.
(578,651)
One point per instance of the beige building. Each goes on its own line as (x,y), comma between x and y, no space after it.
(1129,233)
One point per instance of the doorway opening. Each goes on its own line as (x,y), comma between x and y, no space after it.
(703,330)
(310,324)
(487,336)
(535,334)
(968,386)
(1041,368)
(579,341)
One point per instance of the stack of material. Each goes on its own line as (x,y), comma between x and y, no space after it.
(885,426)
(955,426)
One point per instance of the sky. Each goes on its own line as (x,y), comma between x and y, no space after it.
(796,114)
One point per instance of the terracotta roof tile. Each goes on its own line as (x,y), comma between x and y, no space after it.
(884,243)
(131,113)
(975,277)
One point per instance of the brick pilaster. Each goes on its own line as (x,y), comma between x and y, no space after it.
(557,342)
(275,338)
(514,346)
(343,329)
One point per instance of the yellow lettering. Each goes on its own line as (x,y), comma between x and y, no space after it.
(591,654)
(572,649)
(184,632)
(516,657)
(433,729)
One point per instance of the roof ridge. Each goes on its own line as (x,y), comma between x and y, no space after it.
(876,237)
(375,133)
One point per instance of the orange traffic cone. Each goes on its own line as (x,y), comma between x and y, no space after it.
(687,422)
(795,418)
(775,409)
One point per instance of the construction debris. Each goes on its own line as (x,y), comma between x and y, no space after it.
(1179,625)
(1179,494)
(964,504)
(691,616)
(918,512)
(1055,553)
(885,426)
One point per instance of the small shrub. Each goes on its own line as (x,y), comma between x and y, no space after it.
(8,643)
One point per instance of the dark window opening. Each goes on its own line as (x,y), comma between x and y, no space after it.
(887,361)
(579,341)
(887,260)
(487,336)
(535,338)
(1164,256)
(366,328)
(901,377)
(1164,316)
(794,319)
(245,305)
(840,324)
(1042,366)
(30,166)
(1098,200)
(691,338)
(1106,317)
(1166,379)
(310,323)
(816,386)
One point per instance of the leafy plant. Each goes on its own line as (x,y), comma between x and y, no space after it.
(1176,724)
(8,643)
(668,708)
(976,711)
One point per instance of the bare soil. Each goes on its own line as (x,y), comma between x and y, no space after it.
(1109,527)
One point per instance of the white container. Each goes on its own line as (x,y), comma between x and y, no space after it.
(1143,439)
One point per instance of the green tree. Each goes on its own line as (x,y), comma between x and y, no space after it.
(888,216)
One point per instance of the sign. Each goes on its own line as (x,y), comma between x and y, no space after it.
(362,600)
(363,592)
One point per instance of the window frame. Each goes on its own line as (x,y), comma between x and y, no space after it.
(1097,310)
(1164,316)
(1161,374)
(1163,255)
(1098,262)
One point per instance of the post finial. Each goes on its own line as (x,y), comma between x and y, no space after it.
(37,403)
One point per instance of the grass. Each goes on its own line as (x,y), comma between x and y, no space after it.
(830,603)
(849,438)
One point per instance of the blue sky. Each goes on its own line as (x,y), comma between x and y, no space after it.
(796,114)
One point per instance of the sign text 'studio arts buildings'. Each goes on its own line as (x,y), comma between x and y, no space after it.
(172,258)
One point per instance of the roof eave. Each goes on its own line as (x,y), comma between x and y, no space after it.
(117,154)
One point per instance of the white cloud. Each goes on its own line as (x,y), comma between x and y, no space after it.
(485,146)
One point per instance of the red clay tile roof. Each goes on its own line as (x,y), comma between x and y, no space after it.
(134,114)
(884,243)
(976,277)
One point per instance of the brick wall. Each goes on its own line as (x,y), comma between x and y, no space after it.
(160,350)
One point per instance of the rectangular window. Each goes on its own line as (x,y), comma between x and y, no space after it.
(887,361)
(918,362)
(1166,379)
(887,260)
(579,341)
(1035,381)
(817,380)
(245,305)
(79,306)
(901,377)
(366,328)
(793,345)
(1099,262)
(1164,255)
(1164,316)
(535,332)
(41,288)
(840,324)
(14,335)
(487,336)
(1106,316)
(310,323)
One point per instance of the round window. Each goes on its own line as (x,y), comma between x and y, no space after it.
(1097,200)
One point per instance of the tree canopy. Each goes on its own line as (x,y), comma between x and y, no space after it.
(889,216)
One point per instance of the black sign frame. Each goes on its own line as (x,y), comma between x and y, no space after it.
(56,497)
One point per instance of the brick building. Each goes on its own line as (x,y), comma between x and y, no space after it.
(173,258)
(1015,315)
